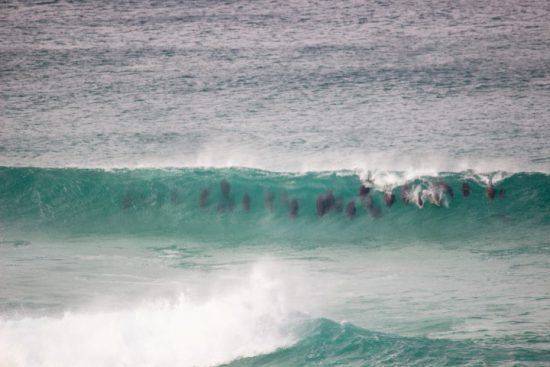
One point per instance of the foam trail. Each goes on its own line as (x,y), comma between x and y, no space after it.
(250,319)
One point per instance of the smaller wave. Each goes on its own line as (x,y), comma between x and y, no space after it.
(250,319)
(328,343)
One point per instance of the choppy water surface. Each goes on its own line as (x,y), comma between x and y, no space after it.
(100,84)
(119,122)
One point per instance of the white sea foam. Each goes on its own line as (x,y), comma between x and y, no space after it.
(389,168)
(249,319)
(412,164)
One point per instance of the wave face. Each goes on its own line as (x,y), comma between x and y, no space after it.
(109,257)
(244,322)
(461,280)
(333,344)
(168,202)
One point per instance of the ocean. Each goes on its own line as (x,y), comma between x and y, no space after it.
(263,183)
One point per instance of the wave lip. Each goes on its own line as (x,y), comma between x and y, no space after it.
(219,154)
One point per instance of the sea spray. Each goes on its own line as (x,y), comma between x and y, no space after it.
(247,318)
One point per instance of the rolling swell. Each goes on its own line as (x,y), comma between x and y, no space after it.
(155,201)
(327,343)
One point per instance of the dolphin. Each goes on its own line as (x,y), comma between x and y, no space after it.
(465,189)
(389,198)
(351,210)
(293,208)
(363,191)
(406,194)
(490,192)
(203,198)
(225,188)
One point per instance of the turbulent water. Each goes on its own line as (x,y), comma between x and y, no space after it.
(180,183)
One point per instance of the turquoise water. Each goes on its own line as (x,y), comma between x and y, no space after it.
(134,257)
(167,202)
(122,124)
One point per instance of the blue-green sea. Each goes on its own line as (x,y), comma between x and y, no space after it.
(263,183)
